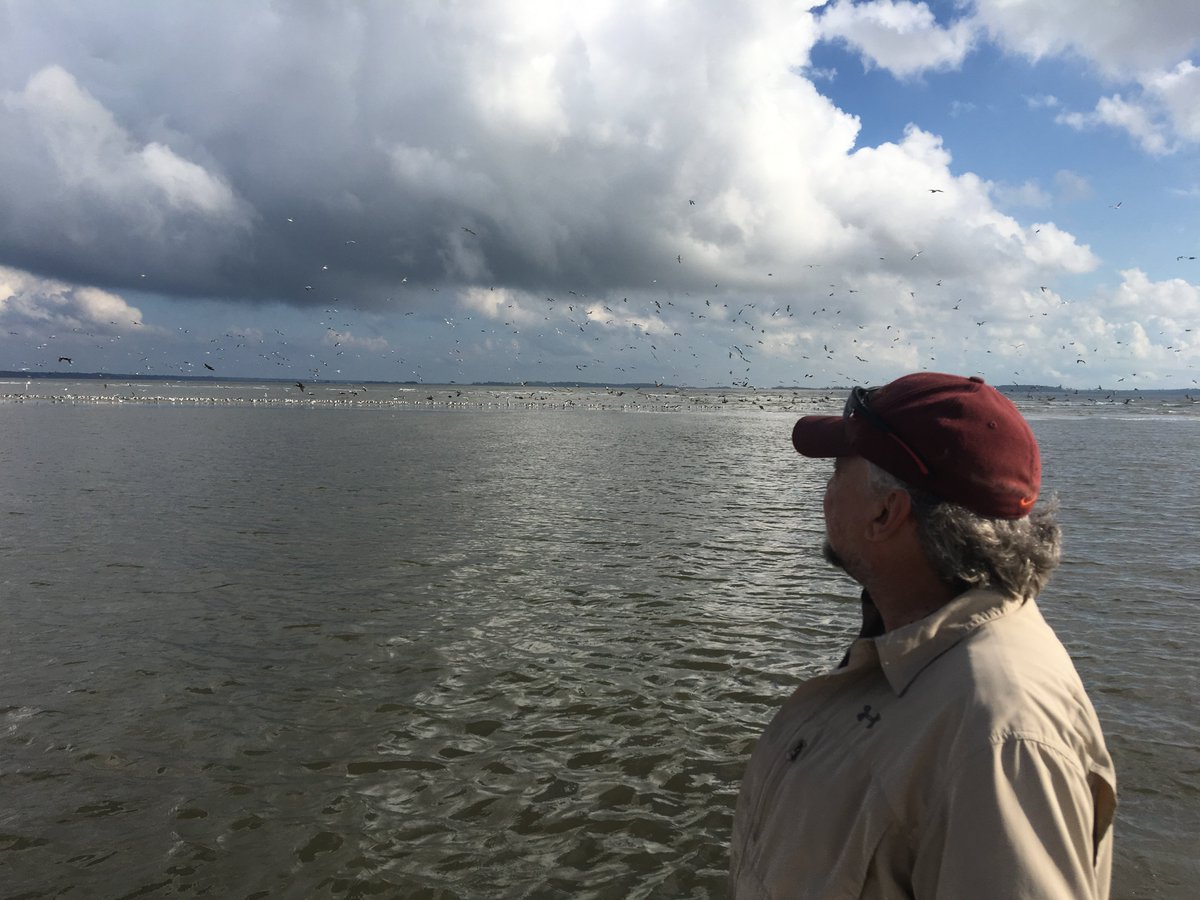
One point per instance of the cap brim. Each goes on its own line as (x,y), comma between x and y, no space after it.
(821,436)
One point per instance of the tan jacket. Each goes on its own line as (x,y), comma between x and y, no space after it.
(957,757)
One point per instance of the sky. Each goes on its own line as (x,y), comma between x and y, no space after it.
(758,194)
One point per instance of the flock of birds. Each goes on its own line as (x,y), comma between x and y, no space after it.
(660,334)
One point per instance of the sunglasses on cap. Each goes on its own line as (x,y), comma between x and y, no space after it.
(857,407)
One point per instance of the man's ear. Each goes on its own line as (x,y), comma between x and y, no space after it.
(893,512)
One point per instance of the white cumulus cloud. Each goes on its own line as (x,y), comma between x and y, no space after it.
(900,36)
(1147,48)
(28,300)
(1121,39)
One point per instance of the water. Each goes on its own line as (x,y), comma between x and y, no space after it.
(497,643)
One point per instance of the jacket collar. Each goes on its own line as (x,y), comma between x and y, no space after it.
(905,652)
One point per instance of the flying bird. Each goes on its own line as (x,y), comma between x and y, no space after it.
(469,231)
(66,359)
(210,368)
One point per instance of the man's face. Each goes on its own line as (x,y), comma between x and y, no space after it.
(848,509)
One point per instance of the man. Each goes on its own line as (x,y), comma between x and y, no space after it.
(953,754)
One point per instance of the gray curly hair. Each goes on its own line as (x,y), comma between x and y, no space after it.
(967,550)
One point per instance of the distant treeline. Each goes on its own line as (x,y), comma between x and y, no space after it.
(1010,389)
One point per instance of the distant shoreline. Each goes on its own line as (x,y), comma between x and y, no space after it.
(108,376)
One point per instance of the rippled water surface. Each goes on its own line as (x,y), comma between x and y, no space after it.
(491,650)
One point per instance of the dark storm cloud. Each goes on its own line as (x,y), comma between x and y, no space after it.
(303,151)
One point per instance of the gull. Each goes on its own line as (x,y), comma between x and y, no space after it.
(1116,205)
(936,191)
(210,368)
(469,231)
(66,359)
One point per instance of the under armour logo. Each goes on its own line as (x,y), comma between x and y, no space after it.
(865,716)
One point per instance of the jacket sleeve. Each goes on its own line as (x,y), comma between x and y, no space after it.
(1019,819)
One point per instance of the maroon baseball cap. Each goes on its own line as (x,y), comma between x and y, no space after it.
(957,438)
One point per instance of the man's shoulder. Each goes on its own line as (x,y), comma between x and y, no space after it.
(1016,652)
(1011,678)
